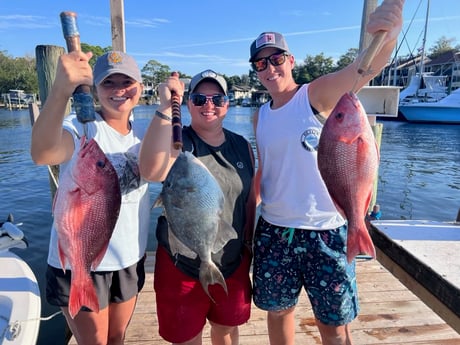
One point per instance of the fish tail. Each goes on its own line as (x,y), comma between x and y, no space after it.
(359,242)
(209,275)
(82,293)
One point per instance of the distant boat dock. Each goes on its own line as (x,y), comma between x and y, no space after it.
(17,99)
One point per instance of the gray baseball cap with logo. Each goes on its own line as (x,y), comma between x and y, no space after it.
(115,62)
(266,40)
(210,75)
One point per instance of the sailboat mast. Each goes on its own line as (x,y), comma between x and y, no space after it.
(422,57)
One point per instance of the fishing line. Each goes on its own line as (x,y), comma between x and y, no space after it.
(55,182)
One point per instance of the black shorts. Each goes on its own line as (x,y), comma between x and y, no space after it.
(111,287)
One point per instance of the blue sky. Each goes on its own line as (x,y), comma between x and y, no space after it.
(191,36)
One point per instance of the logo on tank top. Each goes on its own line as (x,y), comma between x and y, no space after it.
(310,139)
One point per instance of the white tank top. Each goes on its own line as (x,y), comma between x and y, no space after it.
(292,190)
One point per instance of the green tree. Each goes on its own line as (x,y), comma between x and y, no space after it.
(155,72)
(17,73)
(312,68)
(442,45)
(96,50)
(252,80)
(347,58)
(233,80)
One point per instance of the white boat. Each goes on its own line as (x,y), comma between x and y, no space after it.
(447,110)
(429,104)
(434,89)
(20,302)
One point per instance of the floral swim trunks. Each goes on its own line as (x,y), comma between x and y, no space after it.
(287,259)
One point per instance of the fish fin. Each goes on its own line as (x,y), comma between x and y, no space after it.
(338,207)
(82,293)
(347,139)
(225,233)
(209,275)
(359,242)
(177,247)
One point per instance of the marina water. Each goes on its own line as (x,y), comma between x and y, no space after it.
(419,178)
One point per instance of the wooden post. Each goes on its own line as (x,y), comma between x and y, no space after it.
(365,38)
(47,59)
(117,15)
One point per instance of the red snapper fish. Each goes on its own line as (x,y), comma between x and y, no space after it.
(86,209)
(348,160)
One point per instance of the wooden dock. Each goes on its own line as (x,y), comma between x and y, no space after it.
(425,256)
(390,314)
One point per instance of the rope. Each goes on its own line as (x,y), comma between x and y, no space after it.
(12,330)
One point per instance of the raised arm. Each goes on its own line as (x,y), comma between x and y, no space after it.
(50,144)
(157,153)
(325,91)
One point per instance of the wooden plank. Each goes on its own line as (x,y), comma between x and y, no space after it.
(431,300)
(436,244)
(428,284)
(390,314)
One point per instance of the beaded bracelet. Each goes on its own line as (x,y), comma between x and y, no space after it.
(163,116)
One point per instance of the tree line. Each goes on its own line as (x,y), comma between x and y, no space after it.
(20,72)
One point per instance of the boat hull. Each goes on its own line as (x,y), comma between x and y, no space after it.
(19,301)
(431,113)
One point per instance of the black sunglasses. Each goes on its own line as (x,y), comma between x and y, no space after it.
(198,99)
(275,59)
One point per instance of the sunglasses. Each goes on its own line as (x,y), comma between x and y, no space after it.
(275,59)
(198,99)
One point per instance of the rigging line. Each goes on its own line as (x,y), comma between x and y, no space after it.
(404,39)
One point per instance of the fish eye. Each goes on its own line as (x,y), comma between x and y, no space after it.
(339,116)
(100,164)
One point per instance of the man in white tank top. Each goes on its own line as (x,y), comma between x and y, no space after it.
(300,239)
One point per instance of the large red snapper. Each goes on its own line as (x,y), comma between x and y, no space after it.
(86,209)
(348,161)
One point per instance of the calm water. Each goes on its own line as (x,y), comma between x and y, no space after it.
(419,178)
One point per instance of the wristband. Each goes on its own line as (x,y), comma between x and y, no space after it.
(163,116)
